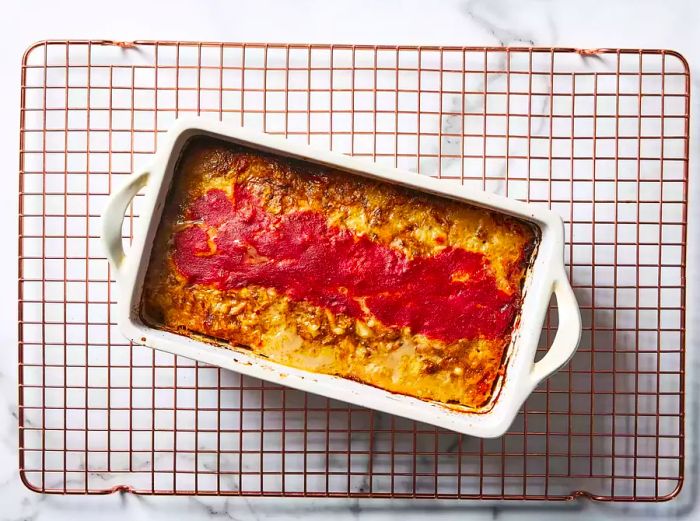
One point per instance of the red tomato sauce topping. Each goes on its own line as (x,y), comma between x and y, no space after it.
(449,296)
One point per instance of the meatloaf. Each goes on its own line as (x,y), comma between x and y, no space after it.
(334,273)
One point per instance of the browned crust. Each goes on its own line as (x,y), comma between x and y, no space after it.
(305,336)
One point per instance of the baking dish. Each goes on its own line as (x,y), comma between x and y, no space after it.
(545,276)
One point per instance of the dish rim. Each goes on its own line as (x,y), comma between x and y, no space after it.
(546,276)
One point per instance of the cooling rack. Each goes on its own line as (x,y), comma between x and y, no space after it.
(600,136)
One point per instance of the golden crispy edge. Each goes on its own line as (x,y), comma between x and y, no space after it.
(304,336)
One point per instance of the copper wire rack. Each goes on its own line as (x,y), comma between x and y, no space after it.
(600,136)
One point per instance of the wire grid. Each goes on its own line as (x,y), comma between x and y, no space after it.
(599,136)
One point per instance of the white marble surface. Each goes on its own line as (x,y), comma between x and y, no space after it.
(578,24)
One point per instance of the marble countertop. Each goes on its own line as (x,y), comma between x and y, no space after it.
(591,24)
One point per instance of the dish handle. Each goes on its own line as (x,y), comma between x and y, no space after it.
(113,218)
(568,333)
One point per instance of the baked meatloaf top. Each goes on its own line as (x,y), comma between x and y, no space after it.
(334,273)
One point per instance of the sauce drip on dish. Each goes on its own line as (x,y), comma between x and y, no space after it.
(236,243)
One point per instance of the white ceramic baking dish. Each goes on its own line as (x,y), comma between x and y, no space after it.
(545,276)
